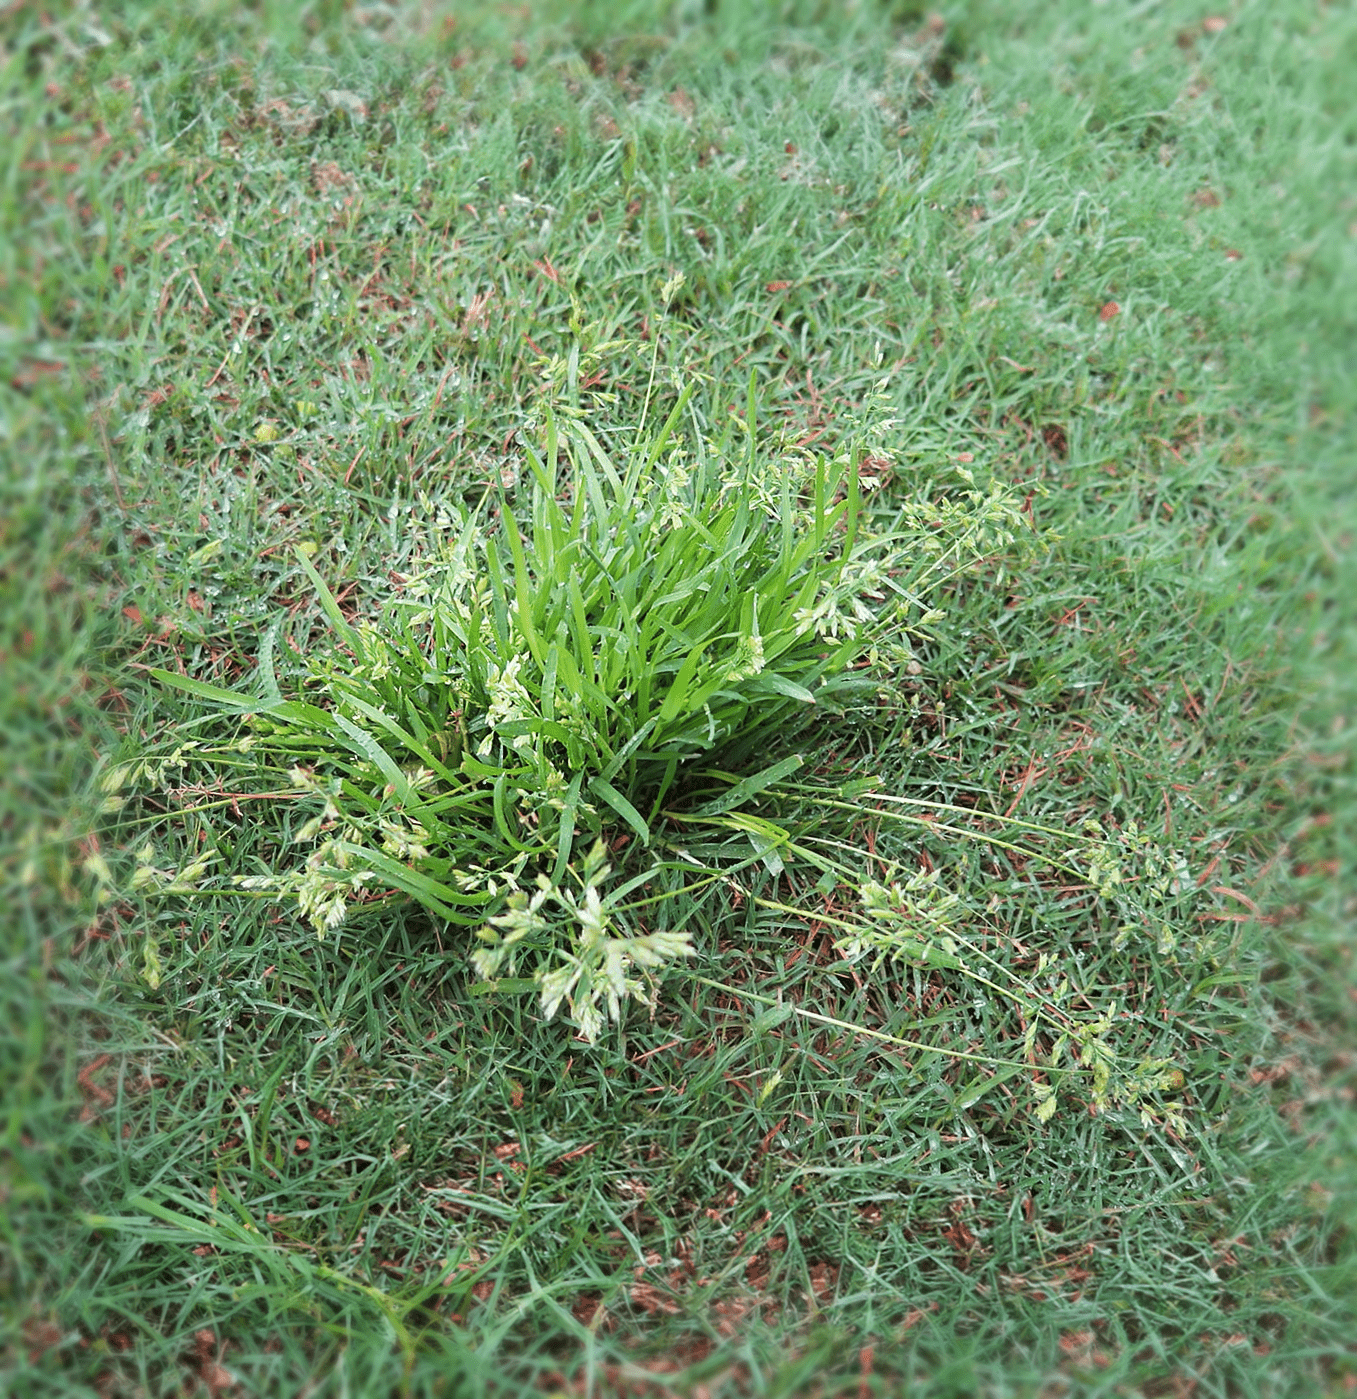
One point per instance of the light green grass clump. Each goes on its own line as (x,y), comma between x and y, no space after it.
(535,684)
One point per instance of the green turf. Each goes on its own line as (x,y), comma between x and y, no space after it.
(304,283)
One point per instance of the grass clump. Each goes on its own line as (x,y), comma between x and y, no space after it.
(535,683)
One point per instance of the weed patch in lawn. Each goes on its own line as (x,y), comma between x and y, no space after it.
(538,684)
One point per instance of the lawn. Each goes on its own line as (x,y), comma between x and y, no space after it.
(673,684)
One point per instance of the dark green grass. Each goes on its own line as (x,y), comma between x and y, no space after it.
(382,240)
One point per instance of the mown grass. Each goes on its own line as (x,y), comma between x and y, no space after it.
(309,279)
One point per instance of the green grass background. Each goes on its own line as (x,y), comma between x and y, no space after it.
(366,227)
